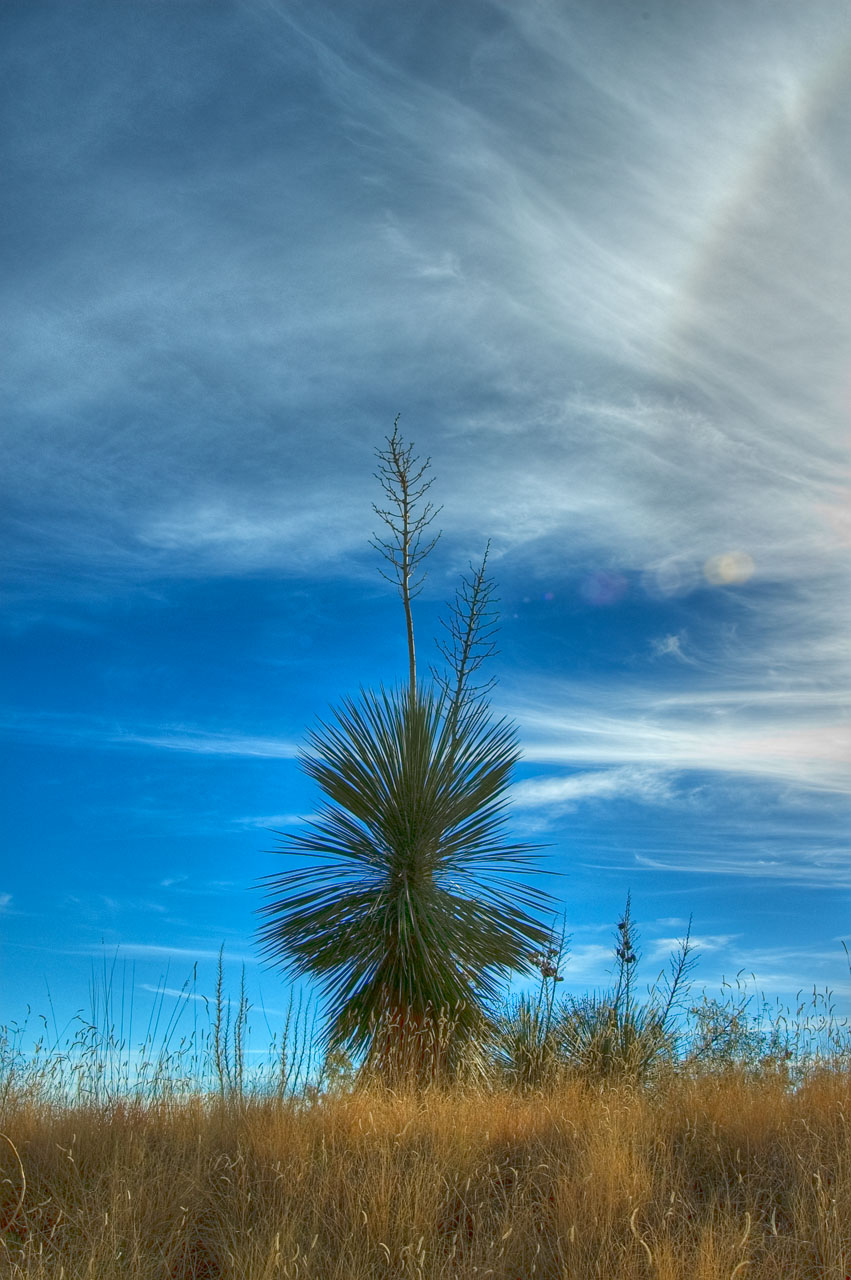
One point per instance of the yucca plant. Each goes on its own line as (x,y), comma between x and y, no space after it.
(525,1047)
(410,913)
(614,1035)
(405,914)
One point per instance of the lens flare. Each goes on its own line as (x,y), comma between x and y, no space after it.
(729,570)
(672,577)
(603,587)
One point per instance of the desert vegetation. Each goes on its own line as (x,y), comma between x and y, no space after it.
(720,1150)
(429,1124)
(406,901)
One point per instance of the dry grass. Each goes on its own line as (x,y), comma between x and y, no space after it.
(706,1178)
(726,1156)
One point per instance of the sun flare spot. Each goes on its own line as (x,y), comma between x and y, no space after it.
(728,570)
(603,587)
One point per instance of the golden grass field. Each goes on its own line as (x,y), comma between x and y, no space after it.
(710,1177)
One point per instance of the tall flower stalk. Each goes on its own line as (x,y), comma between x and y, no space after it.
(406,516)
(409,905)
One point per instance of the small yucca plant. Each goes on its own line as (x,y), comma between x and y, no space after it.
(525,1049)
(614,1035)
(524,1046)
(602,1039)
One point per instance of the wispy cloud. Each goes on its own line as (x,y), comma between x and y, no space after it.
(757,732)
(200,742)
(158,951)
(671,646)
(561,794)
(701,943)
(789,972)
(808,864)
(543,239)
(177,994)
(588,962)
(58,728)
(198,887)
(727,968)
(272,821)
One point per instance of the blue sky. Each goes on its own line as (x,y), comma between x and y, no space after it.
(597,257)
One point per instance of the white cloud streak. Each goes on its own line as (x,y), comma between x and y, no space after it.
(156,951)
(803,740)
(61,729)
(552,240)
(799,863)
(200,742)
(559,795)
(273,821)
